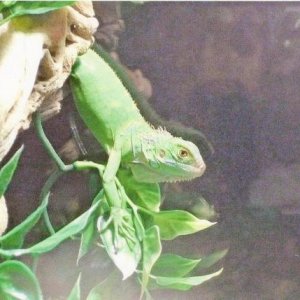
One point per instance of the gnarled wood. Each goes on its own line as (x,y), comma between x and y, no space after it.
(35,60)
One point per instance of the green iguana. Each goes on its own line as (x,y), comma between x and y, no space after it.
(86,145)
(107,108)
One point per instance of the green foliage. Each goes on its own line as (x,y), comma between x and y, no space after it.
(74,227)
(175,265)
(209,260)
(17,281)
(13,9)
(131,235)
(106,290)
(151,252)
(14,239)
(124,250)
(183,283)
(171,271)
(6,4)
(7,172)
(75,293)
(130,229)
(88,237)
(177,222)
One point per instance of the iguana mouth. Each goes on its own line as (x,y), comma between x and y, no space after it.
(144,173)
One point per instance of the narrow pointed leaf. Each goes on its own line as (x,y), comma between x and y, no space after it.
(174,265)
(88,238)
(211,259)
(90,233)
(74,227)
(107,289)
(7,171)
(15,237)
(151,252)
(174,223)
(75,293)
(184,283)
(202,209)
(18,282)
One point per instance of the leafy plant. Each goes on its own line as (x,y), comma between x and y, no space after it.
(139,253)
(16,279)
(13,9)
(131,233)
(7,172)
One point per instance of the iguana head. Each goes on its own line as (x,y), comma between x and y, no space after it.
(164,158)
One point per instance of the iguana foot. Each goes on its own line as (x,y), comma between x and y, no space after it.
(121,224)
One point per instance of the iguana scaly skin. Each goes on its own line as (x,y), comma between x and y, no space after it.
(109,111)
(175,128)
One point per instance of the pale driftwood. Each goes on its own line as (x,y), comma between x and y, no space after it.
(36,57)
(35,60)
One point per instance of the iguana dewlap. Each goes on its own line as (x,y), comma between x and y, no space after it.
(109,111)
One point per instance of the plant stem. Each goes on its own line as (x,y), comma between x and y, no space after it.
(45,191)
(49,148)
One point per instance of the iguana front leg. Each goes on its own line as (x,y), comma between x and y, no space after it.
(119,215)
(109,185)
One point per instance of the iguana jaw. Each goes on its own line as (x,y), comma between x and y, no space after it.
(167,172)
(145,173)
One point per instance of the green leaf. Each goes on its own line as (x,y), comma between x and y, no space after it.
(5,4)
(74,227)
(211,259)
(177,266)
(21,8)
(18,282)
(15,237)
(90,233)
(151,252)
(75,293)
(88,237)
(174,223)
(107,289)
(120,240)
(146,195)
(202,209)
(7,171)
(183,284)
(174,265)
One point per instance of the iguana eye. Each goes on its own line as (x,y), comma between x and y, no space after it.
(162,153)
(183,153)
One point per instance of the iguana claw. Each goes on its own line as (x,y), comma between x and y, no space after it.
(121,224)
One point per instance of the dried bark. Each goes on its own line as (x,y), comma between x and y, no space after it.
(35,61)
(36,56)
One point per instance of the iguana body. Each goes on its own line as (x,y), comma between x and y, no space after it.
(149,113)
(110,113)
